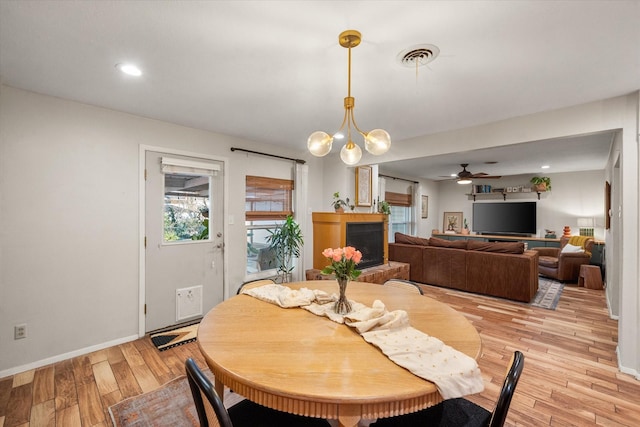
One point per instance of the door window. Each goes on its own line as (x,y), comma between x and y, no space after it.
(186,207)
(187,199)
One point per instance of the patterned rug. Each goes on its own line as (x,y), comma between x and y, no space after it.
(174,337)
(548,295)
(170,405)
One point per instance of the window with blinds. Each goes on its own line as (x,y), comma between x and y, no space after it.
(397,199)
(400,219)
(268,198)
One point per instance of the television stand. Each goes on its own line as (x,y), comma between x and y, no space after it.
(509,235)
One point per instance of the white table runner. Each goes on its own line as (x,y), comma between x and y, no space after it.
(453,372)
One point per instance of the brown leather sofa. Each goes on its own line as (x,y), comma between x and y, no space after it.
(565,266)
(501,269)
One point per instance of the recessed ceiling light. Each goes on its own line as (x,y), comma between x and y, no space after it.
(129,69)
(338,135)
(545,167)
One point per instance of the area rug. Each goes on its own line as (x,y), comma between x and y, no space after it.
(174,337)
(548,295)
(170,405)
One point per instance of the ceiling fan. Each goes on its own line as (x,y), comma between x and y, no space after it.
(465,177)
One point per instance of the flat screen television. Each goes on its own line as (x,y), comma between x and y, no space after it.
(506,218)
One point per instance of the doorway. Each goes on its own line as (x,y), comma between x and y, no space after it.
(182,260)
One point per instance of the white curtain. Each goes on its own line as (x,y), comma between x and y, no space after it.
(415,213)
(301,180)
(382,188)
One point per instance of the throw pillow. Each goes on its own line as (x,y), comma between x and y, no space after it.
(410,240)
(569,249)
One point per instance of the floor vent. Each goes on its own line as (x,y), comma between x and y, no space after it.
(188,302)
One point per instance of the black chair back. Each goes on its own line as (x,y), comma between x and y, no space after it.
(254,283)
(508,388)
(212,412)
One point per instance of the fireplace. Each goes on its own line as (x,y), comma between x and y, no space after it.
(367,237)
(367,232)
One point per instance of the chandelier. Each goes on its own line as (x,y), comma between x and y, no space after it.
(376,141)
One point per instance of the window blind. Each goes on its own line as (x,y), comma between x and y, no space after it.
(397,199)
(268,198)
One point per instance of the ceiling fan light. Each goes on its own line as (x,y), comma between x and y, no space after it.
(351,153)
(377,142)
(463,181)
(319,143)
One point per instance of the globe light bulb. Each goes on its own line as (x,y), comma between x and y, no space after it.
(377,142)
(351,153)
(319,143)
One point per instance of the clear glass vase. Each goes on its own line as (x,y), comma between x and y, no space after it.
(342,306)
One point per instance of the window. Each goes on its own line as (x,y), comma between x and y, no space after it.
(268,202)
(400,219)
(268,198)
(186,199)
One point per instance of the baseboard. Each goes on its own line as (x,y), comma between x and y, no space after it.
(611,315)
(626,370)
(65,356)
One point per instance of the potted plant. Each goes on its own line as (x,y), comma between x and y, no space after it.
(384,208)
(465,230)
(541,183)
(286,241)
(338,203)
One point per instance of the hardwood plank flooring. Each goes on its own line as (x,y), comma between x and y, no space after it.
(570,376)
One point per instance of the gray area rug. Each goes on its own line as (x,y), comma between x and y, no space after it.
(548,295)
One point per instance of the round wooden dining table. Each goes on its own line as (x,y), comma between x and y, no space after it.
(292,360)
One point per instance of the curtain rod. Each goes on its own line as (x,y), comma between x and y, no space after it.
(302,162)
(401,179)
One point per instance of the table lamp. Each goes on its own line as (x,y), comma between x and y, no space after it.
(586,226)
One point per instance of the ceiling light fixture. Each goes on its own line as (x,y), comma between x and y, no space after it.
(376,141)
(129,69)
(464,181)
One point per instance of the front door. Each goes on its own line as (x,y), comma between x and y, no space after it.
(184,242)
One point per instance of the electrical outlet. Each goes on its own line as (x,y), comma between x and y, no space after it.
(20,331)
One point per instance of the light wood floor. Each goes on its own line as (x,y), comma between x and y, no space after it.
(570,376)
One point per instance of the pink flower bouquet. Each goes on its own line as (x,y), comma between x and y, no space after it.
(343,262)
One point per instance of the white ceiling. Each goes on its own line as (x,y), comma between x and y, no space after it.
(272,71)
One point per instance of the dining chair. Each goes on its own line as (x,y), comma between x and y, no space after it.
(212,412)
(254,283)
(462,412)
(404,284)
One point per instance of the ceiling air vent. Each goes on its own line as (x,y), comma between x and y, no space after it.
(418,56)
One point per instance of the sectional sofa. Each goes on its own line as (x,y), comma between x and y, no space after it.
(500,269)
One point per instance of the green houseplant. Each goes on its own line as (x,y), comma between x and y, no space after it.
(338,203)
(286,241)
(541,183)
(384,208)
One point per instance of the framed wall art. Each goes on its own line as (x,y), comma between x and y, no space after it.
(424,207)
(452,222)
(363,186)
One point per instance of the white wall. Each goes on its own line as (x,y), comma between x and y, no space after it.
(574,195)
(69,220)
